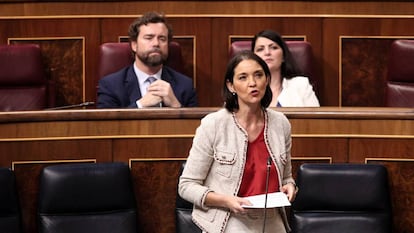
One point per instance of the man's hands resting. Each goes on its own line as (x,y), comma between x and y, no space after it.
(159,92)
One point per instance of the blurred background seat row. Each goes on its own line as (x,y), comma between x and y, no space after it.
(25,85)
(400,76)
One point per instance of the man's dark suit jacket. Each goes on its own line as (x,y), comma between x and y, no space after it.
(121,89)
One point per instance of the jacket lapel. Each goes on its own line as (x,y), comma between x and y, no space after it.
(165,75)
(132,86)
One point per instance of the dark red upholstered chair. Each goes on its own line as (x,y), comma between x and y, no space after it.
(114,56)
(400,76)
(301,52)
(23,80)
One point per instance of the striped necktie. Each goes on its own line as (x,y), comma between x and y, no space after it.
(147,83)
(149,80)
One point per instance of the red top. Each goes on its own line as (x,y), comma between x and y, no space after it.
(255,171)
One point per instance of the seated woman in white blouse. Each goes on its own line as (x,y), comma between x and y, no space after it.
(289,88)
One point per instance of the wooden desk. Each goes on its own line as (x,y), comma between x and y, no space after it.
(155,141)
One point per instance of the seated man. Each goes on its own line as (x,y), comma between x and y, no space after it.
(147,82)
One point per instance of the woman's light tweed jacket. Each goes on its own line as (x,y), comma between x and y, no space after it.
(217,158)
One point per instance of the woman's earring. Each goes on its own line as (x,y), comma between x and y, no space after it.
(234,93)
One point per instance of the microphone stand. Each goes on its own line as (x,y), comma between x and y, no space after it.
(84,104)
(269,164)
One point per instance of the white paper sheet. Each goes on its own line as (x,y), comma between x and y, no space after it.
(277,199)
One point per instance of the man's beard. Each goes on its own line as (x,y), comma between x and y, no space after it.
(154,60)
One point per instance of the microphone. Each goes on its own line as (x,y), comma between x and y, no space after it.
(269,164)
(84,104)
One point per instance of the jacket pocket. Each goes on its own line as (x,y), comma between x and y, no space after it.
(207,215)
(224,162)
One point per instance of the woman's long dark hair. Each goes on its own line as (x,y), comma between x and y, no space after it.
(289,67)
(230,98)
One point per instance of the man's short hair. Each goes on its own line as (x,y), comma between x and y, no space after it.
(145,19)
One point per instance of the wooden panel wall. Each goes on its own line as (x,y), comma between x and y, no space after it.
(339,31)
(356,85)
(212,7)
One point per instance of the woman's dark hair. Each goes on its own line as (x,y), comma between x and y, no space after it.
(289,67)
(230,99)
